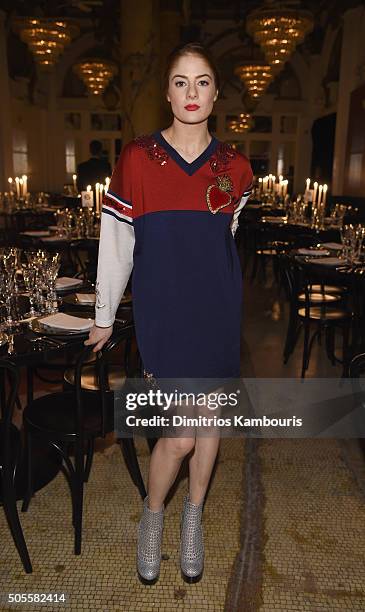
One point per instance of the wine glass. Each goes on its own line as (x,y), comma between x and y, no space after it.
(30,277)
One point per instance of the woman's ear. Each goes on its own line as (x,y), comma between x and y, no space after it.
(216,96)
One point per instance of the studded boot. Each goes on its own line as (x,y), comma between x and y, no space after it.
(150,531)
(192,544)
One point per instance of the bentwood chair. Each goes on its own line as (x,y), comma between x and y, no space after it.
(326,310)
(10,457)
(71,420)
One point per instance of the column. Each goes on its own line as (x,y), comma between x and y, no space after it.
(6,142)
(140,67)
(171,20)
(350,55)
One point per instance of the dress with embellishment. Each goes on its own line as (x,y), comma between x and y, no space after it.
(170,222)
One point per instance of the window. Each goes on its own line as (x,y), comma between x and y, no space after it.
(106,122)
(288,124)
(20,153)
(70,157)
(73,121)
(262,124)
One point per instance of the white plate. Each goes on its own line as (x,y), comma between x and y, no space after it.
(274,219)
(313,252)
(327,261)
(36,233)
(333,246)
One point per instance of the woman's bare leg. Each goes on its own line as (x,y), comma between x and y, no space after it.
(201,465)
(165,462)
(202,461)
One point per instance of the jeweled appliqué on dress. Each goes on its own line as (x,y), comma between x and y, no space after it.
(153,149)
(222,157)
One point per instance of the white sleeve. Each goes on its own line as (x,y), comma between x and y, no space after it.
(115,263)
(237,211)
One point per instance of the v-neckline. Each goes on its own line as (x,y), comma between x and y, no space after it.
(189,167)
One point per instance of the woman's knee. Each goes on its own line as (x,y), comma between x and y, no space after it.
(180,446)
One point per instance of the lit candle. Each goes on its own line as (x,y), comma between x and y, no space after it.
(107,183)
(74,177)
(285,187)
(97,191)
(315,185)
(101,196)
(308,182)
(320,194)
(88,188)
(325,187)
(21,186)
(260,185)
(25,184)
(10,181)
(17,186)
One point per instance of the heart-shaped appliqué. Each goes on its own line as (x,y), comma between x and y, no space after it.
(217,199)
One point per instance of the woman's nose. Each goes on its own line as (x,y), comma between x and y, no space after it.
(192,93)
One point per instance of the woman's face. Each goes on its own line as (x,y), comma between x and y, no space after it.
(192,91)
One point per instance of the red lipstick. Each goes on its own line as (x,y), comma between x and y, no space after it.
(192,107)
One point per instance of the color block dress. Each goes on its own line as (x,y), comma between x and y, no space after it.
(172,223)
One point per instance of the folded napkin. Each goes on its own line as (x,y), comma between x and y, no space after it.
(334,246)
(61,320)
(328,261)
(313,252)
(63,282)
(86,298)
(36,233)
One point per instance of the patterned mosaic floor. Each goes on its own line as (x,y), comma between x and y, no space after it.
(103,578)
(314,524)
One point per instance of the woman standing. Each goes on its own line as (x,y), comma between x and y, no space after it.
(170,214)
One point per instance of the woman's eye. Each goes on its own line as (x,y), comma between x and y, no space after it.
(179,83)
(204,82)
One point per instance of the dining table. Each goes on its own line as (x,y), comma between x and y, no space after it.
(29,345)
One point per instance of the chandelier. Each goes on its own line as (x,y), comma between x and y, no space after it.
(46,38)
(242,124)
(96,74)
(278,29)
(256,77)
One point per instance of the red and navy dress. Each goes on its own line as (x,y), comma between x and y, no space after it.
(171,222)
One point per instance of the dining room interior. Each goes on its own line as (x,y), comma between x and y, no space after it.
(79,80)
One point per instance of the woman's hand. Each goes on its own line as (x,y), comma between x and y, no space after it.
(98,336)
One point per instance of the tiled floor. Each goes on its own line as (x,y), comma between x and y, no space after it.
(304,524)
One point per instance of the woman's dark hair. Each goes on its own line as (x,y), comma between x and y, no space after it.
(192,48)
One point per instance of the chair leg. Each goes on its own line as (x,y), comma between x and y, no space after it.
(330,344)
(305,348)
(29,485)
(89,458)
(130,457)
(291,335)
(11,513)
(345,345)
(78,495)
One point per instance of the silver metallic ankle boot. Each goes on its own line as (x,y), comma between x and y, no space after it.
(192,544)
(150,530)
